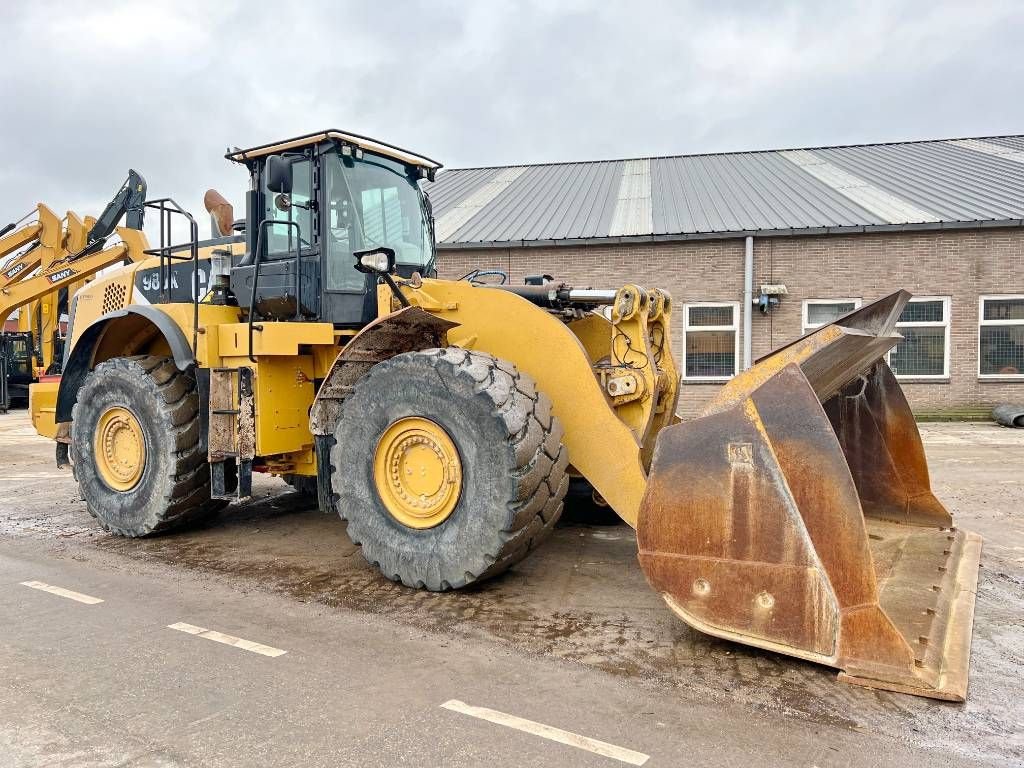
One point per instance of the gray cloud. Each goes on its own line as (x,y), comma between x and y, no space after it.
(92,88)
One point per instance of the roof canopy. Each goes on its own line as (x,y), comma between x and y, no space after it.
(364,142)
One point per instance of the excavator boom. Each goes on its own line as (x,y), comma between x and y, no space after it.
(43,238)
(61,274)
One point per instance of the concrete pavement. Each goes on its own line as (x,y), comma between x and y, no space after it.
(110,684)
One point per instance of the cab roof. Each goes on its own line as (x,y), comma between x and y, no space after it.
(364,142)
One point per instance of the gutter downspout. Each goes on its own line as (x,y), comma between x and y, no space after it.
(748,299)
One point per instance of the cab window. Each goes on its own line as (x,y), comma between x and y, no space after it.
(372,202)
(281,238)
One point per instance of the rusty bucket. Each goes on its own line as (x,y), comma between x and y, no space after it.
(796,515)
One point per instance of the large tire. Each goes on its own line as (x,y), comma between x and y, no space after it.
(512,459)
(174,485)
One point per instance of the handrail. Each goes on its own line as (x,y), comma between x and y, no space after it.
(167,208)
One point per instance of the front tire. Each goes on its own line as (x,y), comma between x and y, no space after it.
(497,446)
(137,449)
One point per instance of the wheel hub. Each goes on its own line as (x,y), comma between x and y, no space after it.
(417,472)
(120,448)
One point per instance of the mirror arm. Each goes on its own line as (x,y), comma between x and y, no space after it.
(395,289)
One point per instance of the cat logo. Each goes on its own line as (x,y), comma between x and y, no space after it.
(14,270)
(56,277)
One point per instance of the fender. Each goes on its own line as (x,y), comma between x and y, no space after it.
(81,358)
(407,330)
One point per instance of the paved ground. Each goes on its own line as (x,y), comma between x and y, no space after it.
(572,638)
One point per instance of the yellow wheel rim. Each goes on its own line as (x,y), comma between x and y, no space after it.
(417,472)
(120,448)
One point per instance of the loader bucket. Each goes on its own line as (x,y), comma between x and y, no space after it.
(796,515)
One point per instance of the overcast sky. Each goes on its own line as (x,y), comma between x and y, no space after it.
(91,88)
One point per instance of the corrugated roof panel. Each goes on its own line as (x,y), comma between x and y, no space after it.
(1013,142)
(956,184)
(887,206)
(991,148)
(633,204)
(580,204)
(748,191)
(550,202)
(453,186)
(915,183)
(457,216)
(792,199)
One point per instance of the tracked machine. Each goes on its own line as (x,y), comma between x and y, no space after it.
(443,420)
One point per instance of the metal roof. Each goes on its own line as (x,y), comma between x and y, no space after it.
(949,183)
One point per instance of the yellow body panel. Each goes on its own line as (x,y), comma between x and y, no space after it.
(283,389)
(273,338)
(42,405)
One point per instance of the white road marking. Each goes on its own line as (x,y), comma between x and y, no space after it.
(88,600)
(220,637)
(549,732)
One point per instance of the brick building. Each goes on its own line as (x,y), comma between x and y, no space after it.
(837,226)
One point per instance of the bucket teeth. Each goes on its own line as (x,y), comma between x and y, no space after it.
(796,515)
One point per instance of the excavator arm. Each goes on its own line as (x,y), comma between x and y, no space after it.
(70,270)
(129,202)
(43,236)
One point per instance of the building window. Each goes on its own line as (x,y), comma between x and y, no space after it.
(819,312)
(710,340)
(924,351)
(1001,336)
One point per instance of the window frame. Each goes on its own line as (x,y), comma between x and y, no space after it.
(735,328)
(312,234)
(982,322)
(806,327)
(946,323)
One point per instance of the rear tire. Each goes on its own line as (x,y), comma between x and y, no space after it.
(513,466)
(173,484)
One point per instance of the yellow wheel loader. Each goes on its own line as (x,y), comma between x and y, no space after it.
(443,419)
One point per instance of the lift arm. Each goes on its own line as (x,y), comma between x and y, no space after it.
(48,235)
(72,269)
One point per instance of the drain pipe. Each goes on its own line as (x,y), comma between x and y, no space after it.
(748,299)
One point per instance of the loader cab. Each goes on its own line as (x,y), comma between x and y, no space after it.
(312,205)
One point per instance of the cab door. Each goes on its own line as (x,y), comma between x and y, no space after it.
(349,296)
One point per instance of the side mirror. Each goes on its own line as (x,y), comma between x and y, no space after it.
(279,174)
(380,261)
